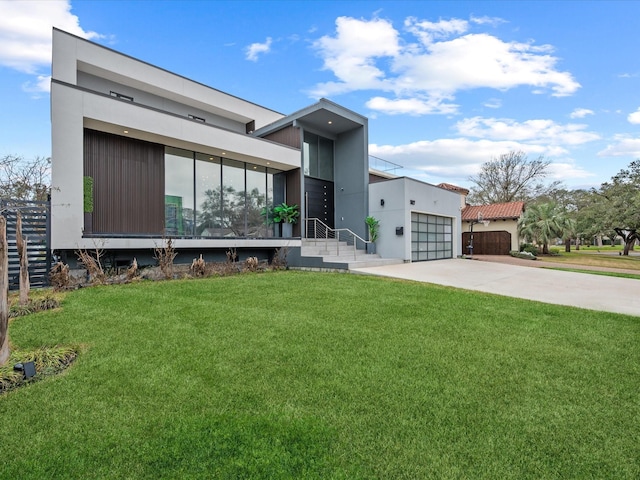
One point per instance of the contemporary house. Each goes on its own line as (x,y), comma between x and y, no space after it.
(497,237)
(140,154)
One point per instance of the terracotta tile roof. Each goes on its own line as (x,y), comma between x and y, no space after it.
(455,188)
(495,211)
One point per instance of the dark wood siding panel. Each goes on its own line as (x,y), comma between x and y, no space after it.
(289,136)
(294,195)
(128,177)
(373,178)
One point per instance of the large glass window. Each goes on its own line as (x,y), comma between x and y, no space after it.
(233,199)
(256,200)
(178,188)
(208,195)
(318,156)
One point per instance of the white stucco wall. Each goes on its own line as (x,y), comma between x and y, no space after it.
(396,212)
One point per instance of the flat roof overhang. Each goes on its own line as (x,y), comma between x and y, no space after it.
(110,115)
(324,116)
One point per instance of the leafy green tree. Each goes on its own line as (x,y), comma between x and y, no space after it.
(618,205)
(543,222)
(511,177)
(579,208)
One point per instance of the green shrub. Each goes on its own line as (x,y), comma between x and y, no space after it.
(525,255)
(88,194)
(529,248)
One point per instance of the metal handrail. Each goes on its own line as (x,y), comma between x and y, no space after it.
(322,231)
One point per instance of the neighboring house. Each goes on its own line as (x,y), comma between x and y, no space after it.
(499,236)
(140,154)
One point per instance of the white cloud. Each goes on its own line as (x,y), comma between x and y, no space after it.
(567,170)
(634,117)
(481,60)
(410,106)
(42,85)
(493,21)
(255,49)
(493,103)
(581,113)
(371,54)
(427,31)
(623,146)
(456,157)
(25,32)
(537,131)
(351,55)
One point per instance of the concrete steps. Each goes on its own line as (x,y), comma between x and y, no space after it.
(340,256)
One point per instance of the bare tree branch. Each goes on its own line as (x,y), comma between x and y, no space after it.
(22,179)
(509,178)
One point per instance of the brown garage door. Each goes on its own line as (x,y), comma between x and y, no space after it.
(487,243)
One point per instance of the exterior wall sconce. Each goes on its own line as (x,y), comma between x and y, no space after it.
(382,202)
(399,231)
(412,202)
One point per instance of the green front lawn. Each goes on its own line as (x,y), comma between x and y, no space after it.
(595,259)
(320,376)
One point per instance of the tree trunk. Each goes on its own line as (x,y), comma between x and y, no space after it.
(4,288)
(629,237)
(545,249)
(567,245)
(24,262)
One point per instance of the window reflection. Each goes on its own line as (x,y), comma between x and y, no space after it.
(178,188)
(256,200)
(233,199)
(318,156)
(207,196)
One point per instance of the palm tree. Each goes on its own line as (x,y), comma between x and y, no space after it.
(543,222)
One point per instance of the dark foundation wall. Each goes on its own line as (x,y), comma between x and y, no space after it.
(122,258)
(128,184)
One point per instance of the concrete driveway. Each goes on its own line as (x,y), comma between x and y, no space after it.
(595,292)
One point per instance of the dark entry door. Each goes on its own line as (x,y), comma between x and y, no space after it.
(320,200)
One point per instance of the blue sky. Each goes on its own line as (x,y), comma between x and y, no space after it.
(446,85)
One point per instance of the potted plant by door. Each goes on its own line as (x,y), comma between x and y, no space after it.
(374,226)
(287,215)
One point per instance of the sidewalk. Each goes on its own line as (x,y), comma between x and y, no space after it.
(595,292)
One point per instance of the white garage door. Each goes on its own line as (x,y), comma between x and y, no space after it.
(431,237)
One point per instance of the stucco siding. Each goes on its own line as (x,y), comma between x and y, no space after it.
(398,195)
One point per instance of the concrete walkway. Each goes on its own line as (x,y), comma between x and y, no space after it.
(595,292)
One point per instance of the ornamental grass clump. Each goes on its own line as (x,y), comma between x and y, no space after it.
(47,360)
